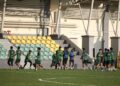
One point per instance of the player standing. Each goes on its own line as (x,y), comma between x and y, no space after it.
(11,55)
(71,61)
(109,60)
(65,57)
(59,55)
(84,58)
(105,58)
(98,59)
(54,61)
(18,57)
(114,59)
(38,59)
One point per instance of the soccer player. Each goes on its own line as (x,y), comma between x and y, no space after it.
(18,57)
(114,59)
(59,55)
(65,57)
(109,60)
(28,59)
(54,61)
(11,55)
(71,61)
(38,59)
(84,58)
(105,58)
(98,59)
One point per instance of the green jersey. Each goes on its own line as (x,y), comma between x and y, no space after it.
(85,56)
(112,55)
(11,54)
(99,56)
(59,54)
(109,56)
(18,54)
(28,56)
(39,56)
(105,56)
(54,58)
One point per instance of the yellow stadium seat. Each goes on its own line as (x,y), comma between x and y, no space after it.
(38,42)
(29,37)
(39,38)
(56,48)
(14,37)
(48,45)
(49,38)
(13,41)
(9,37)
(57,45)
(53,46)
(43,37)
(19,37)
(23,41)
(33,41)
(34,38)
(18,41)
(53,50)
(43,42)
(48,42)
(28,41)
(53,42)
(24,37)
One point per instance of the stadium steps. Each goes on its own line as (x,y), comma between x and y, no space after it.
(66,42)
(70,43)
(61,43)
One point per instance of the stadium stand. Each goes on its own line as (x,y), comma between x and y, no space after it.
(48,46)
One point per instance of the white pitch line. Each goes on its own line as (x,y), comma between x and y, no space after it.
(56,82)
(50,78)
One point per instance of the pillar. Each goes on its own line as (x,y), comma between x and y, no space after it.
(115,44)
(88,44)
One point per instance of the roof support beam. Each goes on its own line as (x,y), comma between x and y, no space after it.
(3,15)
(92,3)
(117,25)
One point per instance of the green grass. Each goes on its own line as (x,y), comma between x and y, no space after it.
(77,77)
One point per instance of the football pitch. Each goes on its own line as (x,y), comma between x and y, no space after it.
(58,78)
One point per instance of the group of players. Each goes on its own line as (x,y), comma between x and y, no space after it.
(60,58)
(56,58)
(18,53)
(104,60)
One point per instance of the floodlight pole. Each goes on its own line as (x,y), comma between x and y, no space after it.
(58,19)
(3,16)
(117,25)
(90,13)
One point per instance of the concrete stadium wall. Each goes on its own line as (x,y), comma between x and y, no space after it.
(94,30)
